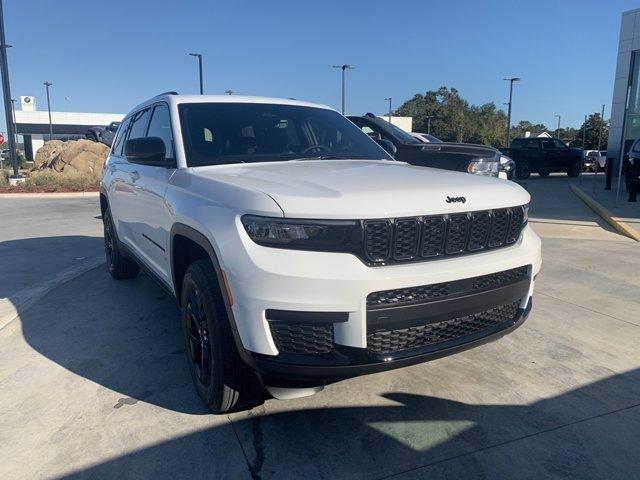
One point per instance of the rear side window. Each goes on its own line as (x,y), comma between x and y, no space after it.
(547,144)
(122,133)
(160,126)
(533,143)
(139,124)
(559,144)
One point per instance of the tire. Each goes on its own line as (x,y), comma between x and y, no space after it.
(574,170)
(120,267)
(544,173)
(223,381)
(523,171)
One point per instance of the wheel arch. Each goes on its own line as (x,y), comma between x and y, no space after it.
(190,236)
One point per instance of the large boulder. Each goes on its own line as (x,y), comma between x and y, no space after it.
(72,157)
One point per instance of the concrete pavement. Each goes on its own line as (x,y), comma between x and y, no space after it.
(94,383)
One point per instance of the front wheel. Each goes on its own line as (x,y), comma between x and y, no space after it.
(223,381)
(523,171)
(574,170)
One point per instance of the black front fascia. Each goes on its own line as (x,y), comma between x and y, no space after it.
(462,301)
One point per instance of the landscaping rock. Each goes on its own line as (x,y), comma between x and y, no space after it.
(72,157)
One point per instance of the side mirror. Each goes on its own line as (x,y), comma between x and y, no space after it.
(146,151)
(388,146)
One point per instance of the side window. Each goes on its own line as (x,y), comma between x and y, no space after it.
(547,144)
(160,126)
(559,144)
(139,124)
(533,143)
(119,140)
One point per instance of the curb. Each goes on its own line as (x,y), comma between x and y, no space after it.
(51,195)
(12,307)
(622,227)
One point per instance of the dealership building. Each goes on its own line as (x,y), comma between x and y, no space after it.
(625,106)
(33,124)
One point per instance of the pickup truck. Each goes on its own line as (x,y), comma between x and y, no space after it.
(460,157)
(543,156)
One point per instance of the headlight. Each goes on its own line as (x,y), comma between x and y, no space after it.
(525,211)
(320,235)
(484,166)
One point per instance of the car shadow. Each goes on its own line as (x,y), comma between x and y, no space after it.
(572,435)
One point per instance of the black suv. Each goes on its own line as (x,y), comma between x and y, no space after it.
(461,157)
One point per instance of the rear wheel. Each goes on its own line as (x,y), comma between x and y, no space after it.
(544,173)
(574,170)
(523,171)
(223,381)
(120,267)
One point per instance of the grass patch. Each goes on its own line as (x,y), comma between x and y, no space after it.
(45,181)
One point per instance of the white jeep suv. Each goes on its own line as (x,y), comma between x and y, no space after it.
(300,252)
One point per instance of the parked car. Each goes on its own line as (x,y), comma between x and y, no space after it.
(631,169)
(543,156)
(103,134)
(593,158)
(300,252)
(461,157)
(426,137)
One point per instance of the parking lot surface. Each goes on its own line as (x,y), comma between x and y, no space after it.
(95,384)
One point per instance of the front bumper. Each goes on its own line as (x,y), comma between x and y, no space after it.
(263,279)
(294,370)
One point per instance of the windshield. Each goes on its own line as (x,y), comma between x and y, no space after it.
(397,132)
(431,138)
(220,133)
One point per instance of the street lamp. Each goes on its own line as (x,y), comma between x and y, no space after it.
(558,129)
(510,80)
(15,128)
(429,117)
(47,84)
(6,91)
(389,99)
(199,57)
(343,68)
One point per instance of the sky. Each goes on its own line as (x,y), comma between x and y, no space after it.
(109,56)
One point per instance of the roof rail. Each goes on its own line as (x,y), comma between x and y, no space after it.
(167,93)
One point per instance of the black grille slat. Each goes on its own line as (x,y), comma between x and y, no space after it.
(457,231)
(377,239)
(415,238)
(515,225)
(302,338)
(480,228)
(433,229)
(392,341)
(499,226)
(407,236)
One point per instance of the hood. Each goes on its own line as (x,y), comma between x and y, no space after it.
(361,189)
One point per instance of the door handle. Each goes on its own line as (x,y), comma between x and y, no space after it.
(135,176)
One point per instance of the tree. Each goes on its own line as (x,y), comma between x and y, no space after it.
(593,125)
(453,119)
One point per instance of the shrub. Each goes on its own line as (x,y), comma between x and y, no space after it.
(52,181)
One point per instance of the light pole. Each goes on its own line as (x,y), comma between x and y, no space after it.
(343,68)
(47,84)
(510,80)
(15,128)
(6,91)
(429,117)
(389,99)
(199,57)
(558,129)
